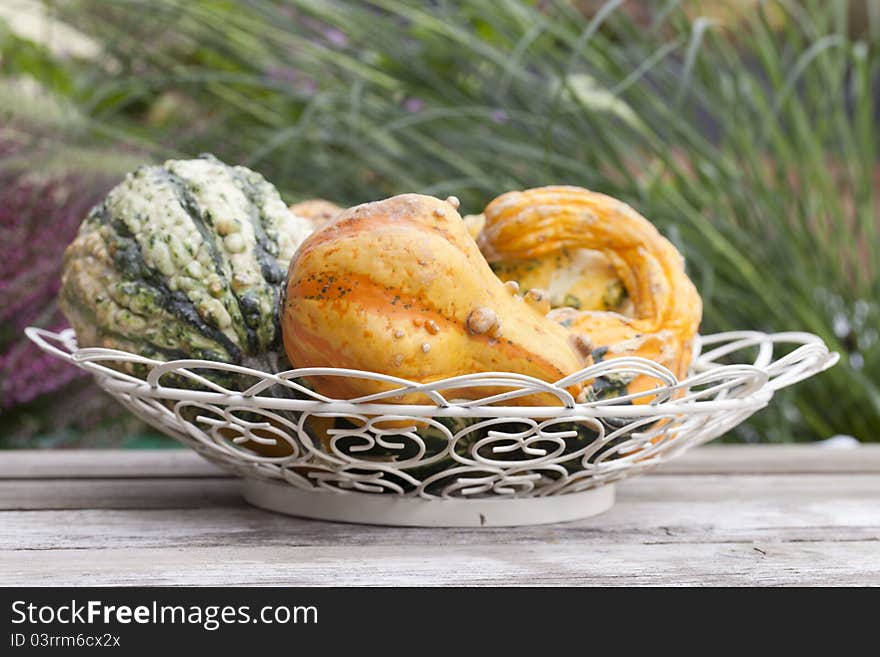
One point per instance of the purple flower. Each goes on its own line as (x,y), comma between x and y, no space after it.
(336,37)
(39,217)
(282,74)
(413,104)
(308,86)
(500,116)
(293,77)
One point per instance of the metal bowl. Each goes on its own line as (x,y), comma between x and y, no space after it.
(447,462)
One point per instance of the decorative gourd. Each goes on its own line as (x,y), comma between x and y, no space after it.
(666,306)
(614,336)
(399,287)
(183,260)
(583,279)
(574,278)
(316,211)
(474,224)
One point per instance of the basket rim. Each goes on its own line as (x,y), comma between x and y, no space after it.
(755,383)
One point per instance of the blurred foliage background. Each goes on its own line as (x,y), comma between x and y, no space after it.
(746,130)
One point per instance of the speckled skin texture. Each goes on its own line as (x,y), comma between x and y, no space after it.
(400,287)
(182,260)
(580,278)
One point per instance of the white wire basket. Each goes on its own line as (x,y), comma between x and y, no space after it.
(448,462)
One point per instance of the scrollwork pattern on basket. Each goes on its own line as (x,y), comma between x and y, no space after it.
(277,427)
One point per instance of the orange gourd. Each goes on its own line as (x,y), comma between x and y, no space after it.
(317,211)
(666,307)
(583,279)
(400,287)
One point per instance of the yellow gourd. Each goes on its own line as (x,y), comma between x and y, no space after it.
(583,279)
(666,308)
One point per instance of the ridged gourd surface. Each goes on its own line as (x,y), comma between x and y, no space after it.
(183,260)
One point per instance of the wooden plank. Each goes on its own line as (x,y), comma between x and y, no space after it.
(200,493)
(778,459)
(99,532)
(95,463)
(754,459)
(104,525)
(814,563)
(196,493)
(670,509)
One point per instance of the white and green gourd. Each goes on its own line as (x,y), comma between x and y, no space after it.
(184,260)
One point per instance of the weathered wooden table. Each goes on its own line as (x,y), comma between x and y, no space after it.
(724,515)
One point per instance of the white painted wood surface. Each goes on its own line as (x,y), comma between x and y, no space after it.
(721,515)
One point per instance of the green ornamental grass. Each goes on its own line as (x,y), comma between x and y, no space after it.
(750,139)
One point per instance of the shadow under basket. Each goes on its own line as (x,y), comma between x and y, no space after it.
(448,462)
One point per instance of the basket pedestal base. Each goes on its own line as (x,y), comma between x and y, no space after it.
(369,509)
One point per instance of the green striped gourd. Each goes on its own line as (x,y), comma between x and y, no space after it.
(183,260)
